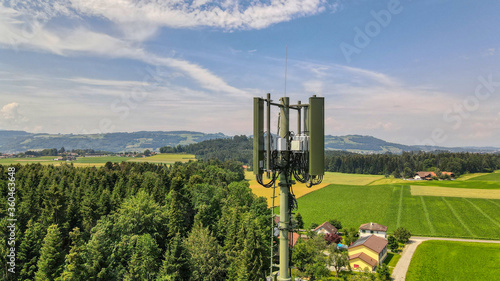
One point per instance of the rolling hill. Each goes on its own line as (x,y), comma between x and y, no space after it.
(20,141)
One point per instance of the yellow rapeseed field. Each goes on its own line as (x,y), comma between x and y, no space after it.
(300,189)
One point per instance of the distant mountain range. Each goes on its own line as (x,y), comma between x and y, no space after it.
(20,141)
(369,144)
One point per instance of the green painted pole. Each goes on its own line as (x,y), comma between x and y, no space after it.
(284,191)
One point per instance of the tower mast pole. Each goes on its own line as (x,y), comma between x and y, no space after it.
(285,183)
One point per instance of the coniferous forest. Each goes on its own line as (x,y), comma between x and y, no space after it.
(136,221)
(239,148)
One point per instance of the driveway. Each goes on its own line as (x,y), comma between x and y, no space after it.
(399,272)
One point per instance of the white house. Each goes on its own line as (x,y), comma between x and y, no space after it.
(373,229)
(326,228)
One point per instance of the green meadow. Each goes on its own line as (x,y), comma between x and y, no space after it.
(450,260)
(166,158)
(394,206)
(103,159)
(493,177)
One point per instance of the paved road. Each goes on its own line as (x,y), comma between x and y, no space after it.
(399,272)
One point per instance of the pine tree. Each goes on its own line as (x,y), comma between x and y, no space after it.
(53,204)
(75,269)
(51,255)
(29,250)
(247,252)
(176,213)
(300,221)
(206,259)
(175,265)
(145,259)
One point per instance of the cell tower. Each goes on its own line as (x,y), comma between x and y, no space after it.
(288,157)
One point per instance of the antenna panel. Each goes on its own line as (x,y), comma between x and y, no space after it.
(258,136)
(316,127)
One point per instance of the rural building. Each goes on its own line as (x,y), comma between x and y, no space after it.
(60,158)
(425,175)
(293,237)
(325,228)
(368,252)
(451,174)
(372,228)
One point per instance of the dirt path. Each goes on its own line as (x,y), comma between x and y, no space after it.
(399,272)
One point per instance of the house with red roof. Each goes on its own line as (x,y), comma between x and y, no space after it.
(367,252)
(326,228)
(424,175)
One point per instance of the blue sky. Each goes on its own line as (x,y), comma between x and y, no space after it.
(413,72)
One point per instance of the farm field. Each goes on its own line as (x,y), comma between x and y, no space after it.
(43,159)
(167,158)
(450,260)
(495,177)
(301,189)
(475,180)
(389,180)
(422,190)
(394,206)
(96,160)
(470,183)
(350,179)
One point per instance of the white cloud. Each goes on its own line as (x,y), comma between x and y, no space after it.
(373,75)
(221,14)
(139,18)
(100,82)
(83,41)
(362,101)
(24,24)
(10,114)
(204,77)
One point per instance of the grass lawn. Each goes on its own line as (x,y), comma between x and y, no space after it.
(391,260)
(394,206)
(450,260)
